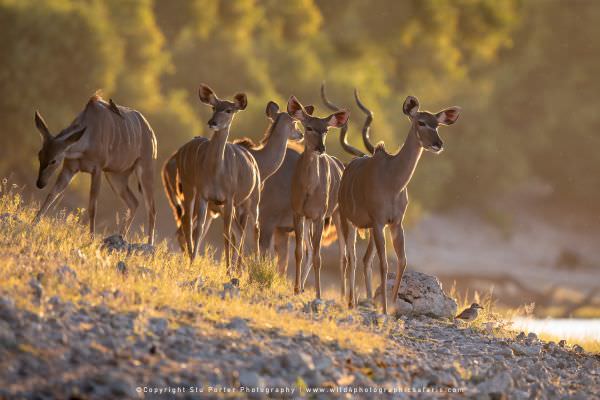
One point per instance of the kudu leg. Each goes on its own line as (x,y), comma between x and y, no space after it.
(94,191)
(281,244)
(63,180)
(146,181)
(240,232)
(379,236)
(350,236)
(230,244)
(299,231)
(316,243)
(398,238)
(368,266)
(201,208)
(308,253)
(119,184)
(187,221)
(342,244)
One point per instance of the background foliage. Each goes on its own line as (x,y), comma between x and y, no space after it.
(521,70)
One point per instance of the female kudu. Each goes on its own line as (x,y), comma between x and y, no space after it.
(373,191)
(315,184)
(217,173)
(105,138)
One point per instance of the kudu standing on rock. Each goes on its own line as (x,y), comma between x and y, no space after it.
(217,173)
(315,185)
(373,191)
(105,138)
(269,155)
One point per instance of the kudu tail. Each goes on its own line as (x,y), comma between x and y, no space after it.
(344,131)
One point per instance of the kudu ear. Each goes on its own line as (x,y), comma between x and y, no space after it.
(241,101)
(42,127)
(338,119)
(272,110)
(310,109)
(448,116)
(295,109)
(207,95)
(411,106)
(75,135)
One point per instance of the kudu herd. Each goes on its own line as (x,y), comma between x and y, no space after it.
(285,184)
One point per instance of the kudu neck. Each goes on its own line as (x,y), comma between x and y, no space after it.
(406,160)
(270,155)
(218,141)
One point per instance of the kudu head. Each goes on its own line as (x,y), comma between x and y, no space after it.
(54,147)
(425,124)
(223,110)
(284,121)
(315,128)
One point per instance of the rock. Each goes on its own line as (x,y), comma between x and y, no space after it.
(562,343)
(231,289)
(298,362)
(238,324)
(158,325)
(499,385)
(403,307)
(506,352)
(523,350)
(521,336)
(114,243)
(7,309)
(251,379)
(578,349)
(532,336)
(119,244)
(65,273)
(317,306)
(425,294)
(7,335)
(122,267)
(36,288)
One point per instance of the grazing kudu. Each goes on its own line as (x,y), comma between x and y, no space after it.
(269,155)
(373,190)
(105,138)
(217,173)
(315,184)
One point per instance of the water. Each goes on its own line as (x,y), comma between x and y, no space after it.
(572,329)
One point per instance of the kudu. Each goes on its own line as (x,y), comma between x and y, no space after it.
(373,191)
(315,184)
(269,155)
(217,173)
(105,138)
(276,215)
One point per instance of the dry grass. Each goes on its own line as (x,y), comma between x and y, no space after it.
(152,285)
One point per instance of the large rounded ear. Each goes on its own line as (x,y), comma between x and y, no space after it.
(75,135)
(411,106)
(295,109)
(310,109)
(338,119)
(448,116)
(272,110)
(207,95)
(42,127)
(241,101)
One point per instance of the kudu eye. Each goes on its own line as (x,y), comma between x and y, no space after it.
(52,162)
(228,111)
(421,123)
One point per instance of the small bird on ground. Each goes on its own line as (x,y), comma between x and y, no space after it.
(470,313)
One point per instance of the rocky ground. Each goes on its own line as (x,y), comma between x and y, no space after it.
(85,319)
(84,351)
